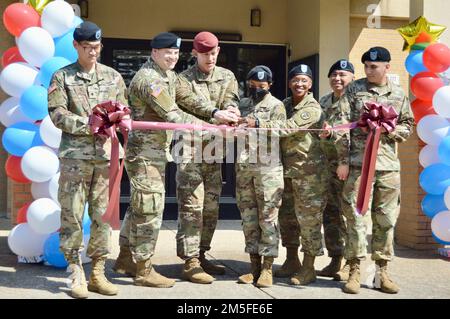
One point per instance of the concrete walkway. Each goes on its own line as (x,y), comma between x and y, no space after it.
(419,274)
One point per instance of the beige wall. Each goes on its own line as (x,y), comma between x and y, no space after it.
(334,37)
(142,19)
(436,11)
(388,8)
(303,27)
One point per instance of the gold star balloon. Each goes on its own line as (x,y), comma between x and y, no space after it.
(420,31)
(38,5)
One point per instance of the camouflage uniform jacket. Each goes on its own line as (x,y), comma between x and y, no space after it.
(335,155)
(220,88)
(351,105)
(152,96)
(72,95)
(270,108)
(300,149)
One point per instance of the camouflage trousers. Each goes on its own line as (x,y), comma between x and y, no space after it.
(301,212)
(198,192)
(333,219)
(83,181)
(143,219)
(258,196)
(384,210)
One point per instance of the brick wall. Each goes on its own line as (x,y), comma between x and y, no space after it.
(413,228)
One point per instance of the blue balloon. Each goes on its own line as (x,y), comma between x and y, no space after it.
(433,205)
(444,151)
(86,220)
(76,21)
(414,63)
(64,47)
(34,103)
(49,68)
(435,179)
(52,254)
(440,241)
(20,137)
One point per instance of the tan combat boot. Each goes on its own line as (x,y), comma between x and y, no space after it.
(353,284)
(125,264)
(255,270)
(307,273)
(265,280)
(342,275)
(193,272)
(77,285)
(146,275)
(332,269)
(387,285)
(209,267)
(97,280)
(291,265)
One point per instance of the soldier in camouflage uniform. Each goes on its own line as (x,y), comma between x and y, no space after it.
(199,181)
(305,175)
(340,75)
(84,158)
(385,201)
(259,179)
(152,95)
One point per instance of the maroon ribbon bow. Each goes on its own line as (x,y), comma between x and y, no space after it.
(378,118)
(104,121)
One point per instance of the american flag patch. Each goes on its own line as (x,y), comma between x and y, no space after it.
(156,89)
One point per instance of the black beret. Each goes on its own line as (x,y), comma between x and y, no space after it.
(342,65)
(166,40)
(376,54)
(87,31)
(301,69)
(260,73)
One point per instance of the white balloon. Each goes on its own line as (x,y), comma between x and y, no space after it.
(44,216)
(11,114)
(24,241)
(39,164)
(50,134)
(57,18)
(17,77)
(432,129)
(84,257)
(440,225)
(47,189)
(441,101)
(429,155)
(36,46)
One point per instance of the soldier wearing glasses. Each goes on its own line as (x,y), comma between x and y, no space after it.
(74,91)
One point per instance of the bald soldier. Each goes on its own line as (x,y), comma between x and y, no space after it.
(340,75)
(153,95)
(199,183)
(74,91)
(384,204)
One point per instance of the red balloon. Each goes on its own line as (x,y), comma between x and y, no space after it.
(12,55)
(436,58)
(421,109)
(22,214)
(14,171)
(19,16)
(425,84)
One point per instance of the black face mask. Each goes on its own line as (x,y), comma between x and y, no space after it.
(257,93)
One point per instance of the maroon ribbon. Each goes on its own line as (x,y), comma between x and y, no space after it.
(375,117)
(104,121)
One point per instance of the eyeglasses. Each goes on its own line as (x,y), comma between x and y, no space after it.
(88,48)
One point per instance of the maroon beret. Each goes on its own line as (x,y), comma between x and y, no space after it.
(205,42)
